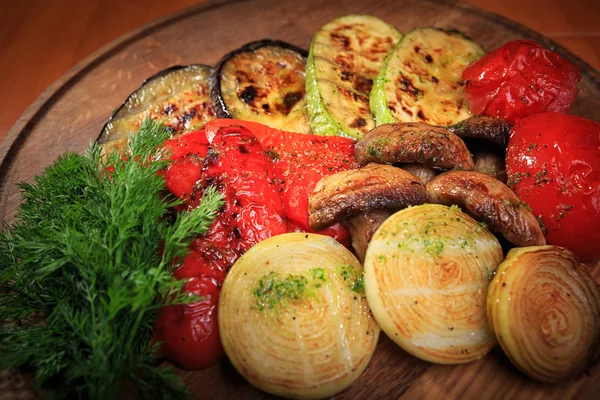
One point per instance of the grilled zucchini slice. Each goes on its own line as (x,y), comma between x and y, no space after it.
(177,96)
(345,56)
(263,82)
(421,79)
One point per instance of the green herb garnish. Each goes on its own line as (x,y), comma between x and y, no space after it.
(85,266)
(352,277)
(274,290)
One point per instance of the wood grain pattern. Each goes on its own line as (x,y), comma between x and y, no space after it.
(70,114)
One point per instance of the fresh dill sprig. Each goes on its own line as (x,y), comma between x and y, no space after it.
(90,257)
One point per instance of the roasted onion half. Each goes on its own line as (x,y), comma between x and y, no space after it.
(293,317)
(544,307)
(427,270)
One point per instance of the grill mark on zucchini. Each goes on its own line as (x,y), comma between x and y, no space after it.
(421,79)
(177,96)
(263,81)
(345,57)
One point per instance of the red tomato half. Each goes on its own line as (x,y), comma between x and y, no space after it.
(519,79)
(553,164)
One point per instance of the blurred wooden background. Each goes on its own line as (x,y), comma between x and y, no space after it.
(42,39)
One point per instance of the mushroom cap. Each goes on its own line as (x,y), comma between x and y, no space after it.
(413,142)
(490,129)
(491,200)
(341,195)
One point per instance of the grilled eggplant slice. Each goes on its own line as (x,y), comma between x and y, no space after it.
(178,96)
(421,81)
(263,82)
(345,57)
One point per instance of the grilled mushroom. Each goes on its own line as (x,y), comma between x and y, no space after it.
(362,227)
(495,130)
(486,138)
(413,142)
(351,192)
(491,164)
(351,196)
(421,171)
(491,200)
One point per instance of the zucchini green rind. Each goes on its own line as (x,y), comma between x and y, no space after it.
(345,56)
(421,79)
(264,82)
(177,96)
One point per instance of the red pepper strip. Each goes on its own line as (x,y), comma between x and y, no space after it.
(300,161)
(237,165)
(189,333)
(187,152)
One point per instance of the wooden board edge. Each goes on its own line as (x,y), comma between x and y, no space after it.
(27,121)
(586,69)
(18,133)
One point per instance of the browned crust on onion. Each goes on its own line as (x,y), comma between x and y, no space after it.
(491,200)
(347,193)
(551,329)
(413,142)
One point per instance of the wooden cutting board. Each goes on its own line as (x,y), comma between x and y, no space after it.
(70,114)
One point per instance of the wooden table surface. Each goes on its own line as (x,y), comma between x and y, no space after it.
(40,40)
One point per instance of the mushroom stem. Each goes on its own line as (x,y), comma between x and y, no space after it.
(362,227)
(421,171)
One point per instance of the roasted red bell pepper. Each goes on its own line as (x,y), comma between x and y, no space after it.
(300,161)
(187,153)
(190,333)
(520,78)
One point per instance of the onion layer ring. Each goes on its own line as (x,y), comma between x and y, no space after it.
(293,317)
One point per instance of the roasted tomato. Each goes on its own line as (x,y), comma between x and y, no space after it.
(190,332)
(519,79)
(553,164)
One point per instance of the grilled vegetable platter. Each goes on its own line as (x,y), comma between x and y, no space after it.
(278,214)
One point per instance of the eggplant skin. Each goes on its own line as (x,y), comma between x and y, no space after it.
(262,81)
(178,96)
